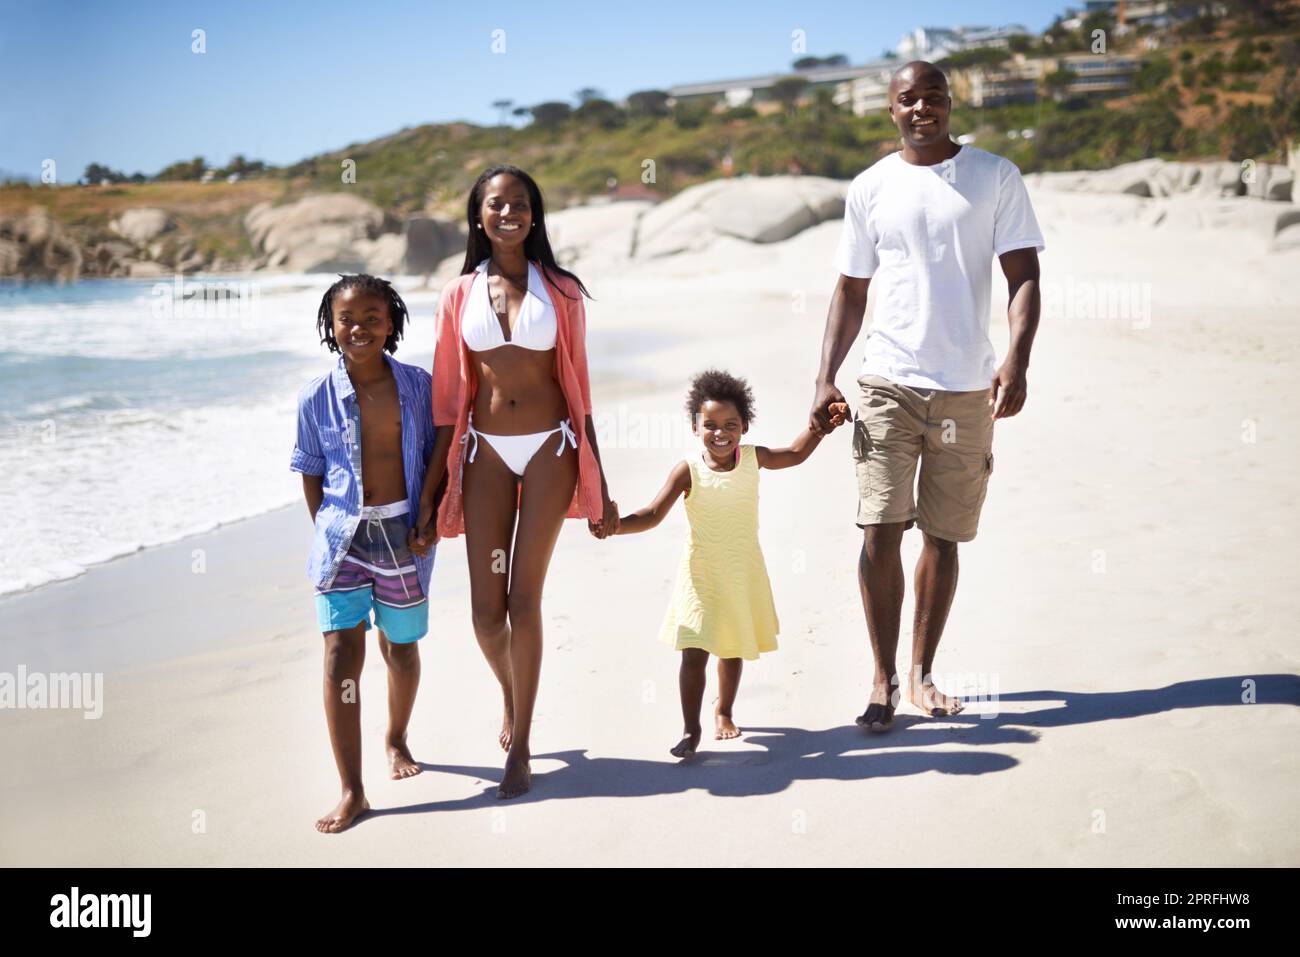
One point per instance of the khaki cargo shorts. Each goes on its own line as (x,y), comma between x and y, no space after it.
(949,433)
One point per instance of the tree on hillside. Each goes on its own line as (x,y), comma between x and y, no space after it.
(502,107)
(588,93)
(599,112)
(97,173)
(1056,82)
(240,166)
(1261,15)
(813,62)
(184,170)
(979,56)
(648,103)
(1153,72)
(550,114)
(787,91)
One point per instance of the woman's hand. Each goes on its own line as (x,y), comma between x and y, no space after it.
(608,523)
(424,533)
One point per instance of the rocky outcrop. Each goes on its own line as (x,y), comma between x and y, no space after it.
(763,209)
(322,233)
(430,240)
(142,225)
(598,235)
(1248,199)
(1157,178)
(34,246)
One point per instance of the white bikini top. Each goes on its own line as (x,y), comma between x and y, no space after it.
(535,326)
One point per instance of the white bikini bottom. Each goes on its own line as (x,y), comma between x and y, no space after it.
(517,450)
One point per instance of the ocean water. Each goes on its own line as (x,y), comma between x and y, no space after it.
(137,412)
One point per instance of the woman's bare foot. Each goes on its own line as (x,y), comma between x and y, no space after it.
(686,747)
(507,724)
(517,778)
(879,715)
(726,728)
(932,701)
(350,807)
(400,763)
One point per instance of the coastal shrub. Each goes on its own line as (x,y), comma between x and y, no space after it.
(1153,73)
(1246,132)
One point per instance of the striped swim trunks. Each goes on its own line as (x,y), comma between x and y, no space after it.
(378,572)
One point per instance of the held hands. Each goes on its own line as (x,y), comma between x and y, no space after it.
(608,523)
(424,534)
(829,411)
(1007,394)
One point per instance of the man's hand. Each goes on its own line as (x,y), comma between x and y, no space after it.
(1007,395)
(819,419)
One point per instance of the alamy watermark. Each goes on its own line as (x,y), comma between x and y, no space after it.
(79,691)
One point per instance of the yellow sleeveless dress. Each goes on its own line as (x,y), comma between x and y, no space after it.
(722,601)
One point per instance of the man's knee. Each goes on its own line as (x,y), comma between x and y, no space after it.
(946,548)
(883,538)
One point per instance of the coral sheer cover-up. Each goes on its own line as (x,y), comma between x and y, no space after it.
(455,386)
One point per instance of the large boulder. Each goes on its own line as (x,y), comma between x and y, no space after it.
(1157,178)
(429,240)
(142,225)
(383,255)
(597,235)
(315,234)
(763,209)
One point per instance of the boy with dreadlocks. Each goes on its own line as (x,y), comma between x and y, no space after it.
(365,435)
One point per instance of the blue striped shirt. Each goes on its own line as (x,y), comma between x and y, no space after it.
(329,444)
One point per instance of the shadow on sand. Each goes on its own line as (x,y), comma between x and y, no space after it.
(848,753)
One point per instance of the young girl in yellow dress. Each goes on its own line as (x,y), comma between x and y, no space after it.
(722,603)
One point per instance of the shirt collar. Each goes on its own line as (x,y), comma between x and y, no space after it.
(343,382)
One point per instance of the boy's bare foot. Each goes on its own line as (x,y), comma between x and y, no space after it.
(726,728)
(932,701)
(400,763)
(686,747)
(345,813)
(517,778)
(879,715)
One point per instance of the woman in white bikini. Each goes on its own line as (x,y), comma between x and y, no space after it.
(510,378)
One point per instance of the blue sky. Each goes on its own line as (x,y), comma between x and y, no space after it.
(115,82)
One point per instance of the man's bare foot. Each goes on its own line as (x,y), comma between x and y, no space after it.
(517,778)
(400,763)
(932,701)
(345,813)
(507,723)
(726,728)
(879,715)
(686,747)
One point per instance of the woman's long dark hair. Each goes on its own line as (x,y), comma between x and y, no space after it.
(537,245)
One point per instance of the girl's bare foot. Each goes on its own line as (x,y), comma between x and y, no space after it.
(350,807)
(507,724)
(726,728)
(517,778)
(932,701)
(686,747)
(400,763)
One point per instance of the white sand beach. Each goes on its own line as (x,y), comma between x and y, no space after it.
(1134,578)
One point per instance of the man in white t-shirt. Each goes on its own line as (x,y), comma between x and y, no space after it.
(921,227)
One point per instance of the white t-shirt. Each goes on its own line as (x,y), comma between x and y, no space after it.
(926,236)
